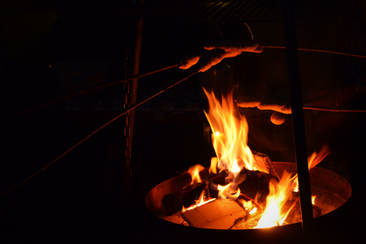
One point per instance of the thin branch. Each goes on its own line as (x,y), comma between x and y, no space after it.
(86,90)
(336,110)
(318,51)
(91,134)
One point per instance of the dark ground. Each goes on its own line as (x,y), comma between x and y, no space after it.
(81,199)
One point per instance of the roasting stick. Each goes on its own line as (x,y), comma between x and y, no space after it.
(336,110)
(176,65)
(316,50)
(86,90)
(91,134)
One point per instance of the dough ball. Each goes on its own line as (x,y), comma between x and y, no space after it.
(277,118)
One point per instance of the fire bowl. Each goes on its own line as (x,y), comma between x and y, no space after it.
(331,189)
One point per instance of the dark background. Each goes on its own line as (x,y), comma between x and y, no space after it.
(80,198)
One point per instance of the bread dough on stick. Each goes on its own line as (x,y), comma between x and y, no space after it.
(233,45)
(205,60)
(213,57)
(217,51)
(188,61)
(265,105)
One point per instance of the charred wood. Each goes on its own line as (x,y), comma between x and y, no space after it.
(174,202)
(255,184)
(263,159)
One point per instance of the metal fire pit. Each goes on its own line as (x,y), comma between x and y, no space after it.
(331,189)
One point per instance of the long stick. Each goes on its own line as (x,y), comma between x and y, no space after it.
(316,50)
(91,134)
(297,117)
(86,90)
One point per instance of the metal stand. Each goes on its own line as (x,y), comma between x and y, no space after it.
(297,117)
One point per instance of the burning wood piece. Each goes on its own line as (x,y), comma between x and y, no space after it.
(255,184)
(173,202)
(248,222)
(242,197)
(219,214)
(263,159)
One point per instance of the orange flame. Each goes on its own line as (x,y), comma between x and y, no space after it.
(276,199)
(194,171)
(313,200)
(316,158)
(229,191)
(199,202)
(313,161)
(230,136)
(249,206)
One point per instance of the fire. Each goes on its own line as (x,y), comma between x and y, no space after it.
(313,161)
(278,195)
(316,158)
(249,206)
(313,200)
(228,191)
(230,137)
(194,171)
(230,132)
(201,201)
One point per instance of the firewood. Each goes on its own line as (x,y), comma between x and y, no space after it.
(173,202)
(255,184)
(263,159)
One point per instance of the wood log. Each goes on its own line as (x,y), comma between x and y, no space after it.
(255,184)
(263,159)
(174,202)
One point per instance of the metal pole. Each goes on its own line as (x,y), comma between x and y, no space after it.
(297,117)
(131,95)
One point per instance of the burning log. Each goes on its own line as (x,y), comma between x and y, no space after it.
(174,202)
(255,184)
(263,159)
